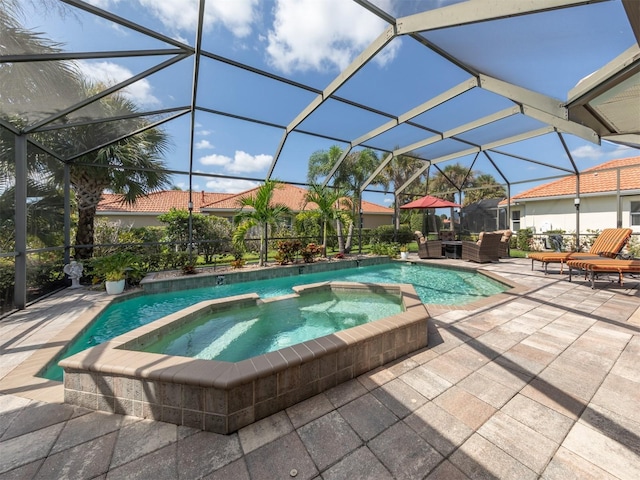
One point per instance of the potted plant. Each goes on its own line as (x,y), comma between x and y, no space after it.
(113,270)
(404,252)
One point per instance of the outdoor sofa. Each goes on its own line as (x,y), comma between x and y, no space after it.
(608,244)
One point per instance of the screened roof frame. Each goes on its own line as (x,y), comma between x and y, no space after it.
(526,102)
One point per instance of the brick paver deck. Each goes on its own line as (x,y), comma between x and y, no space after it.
(542,384)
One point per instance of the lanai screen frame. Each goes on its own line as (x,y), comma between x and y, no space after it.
(554,115)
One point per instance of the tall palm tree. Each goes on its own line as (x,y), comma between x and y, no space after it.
(260,212)
(349,177)
(397,172)
(329,203)
(132,167)
(484,186)
(453,178)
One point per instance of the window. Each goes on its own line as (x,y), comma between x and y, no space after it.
(515,220)
(635,213)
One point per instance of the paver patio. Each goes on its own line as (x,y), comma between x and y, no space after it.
(542,384)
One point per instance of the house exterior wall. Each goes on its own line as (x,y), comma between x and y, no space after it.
(596,213)
(373,221)
(138,220)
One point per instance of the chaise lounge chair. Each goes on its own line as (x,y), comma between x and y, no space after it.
(486,249)
(428,248)
(594,266)
(608,245)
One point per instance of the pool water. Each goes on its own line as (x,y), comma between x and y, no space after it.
(433,284)
(244,332)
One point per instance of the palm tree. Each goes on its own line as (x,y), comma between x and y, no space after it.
(397,172)
(453,177)
(328,201)
(132,167)
(349,177)
(484,186)
(261,213)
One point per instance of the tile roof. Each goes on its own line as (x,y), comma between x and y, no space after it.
(289,195)
(163,201)
(159,202)
(592,181)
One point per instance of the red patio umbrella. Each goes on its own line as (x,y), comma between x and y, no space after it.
(429,201)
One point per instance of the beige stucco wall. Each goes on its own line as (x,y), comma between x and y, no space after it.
(137,220)
(373,221)
(596,213)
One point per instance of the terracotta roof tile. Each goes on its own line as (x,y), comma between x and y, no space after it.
(592,180)
(159,202)
(163,201)
(292,197)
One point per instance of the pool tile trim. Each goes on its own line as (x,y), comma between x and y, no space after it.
(223,396)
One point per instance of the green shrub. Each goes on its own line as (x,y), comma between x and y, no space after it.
(523,239)
(387,234)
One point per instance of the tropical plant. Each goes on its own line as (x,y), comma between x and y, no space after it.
(329,204)
(257,210)
(310,252)
(115,267)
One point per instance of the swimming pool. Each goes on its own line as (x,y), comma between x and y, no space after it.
(433,284)
(235,334)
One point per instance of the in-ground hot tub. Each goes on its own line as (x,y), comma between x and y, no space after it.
(221,396)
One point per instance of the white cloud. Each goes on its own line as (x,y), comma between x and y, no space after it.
(227,185)
(203,144)
(236,15)
(104,4)
(322,35)
(242,162)
(204,133)
(110,73)
(587,151)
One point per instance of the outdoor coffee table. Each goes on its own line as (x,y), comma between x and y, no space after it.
(452,249)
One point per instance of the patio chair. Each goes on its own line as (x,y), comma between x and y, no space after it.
(609,244)
(486,249)
(428,248)
(592,267)
(503,250)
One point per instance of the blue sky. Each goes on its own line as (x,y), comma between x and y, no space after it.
(311,41)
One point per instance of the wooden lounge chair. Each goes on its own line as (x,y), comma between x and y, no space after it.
(486,249)
(608,244)
(592,267)
(428,248)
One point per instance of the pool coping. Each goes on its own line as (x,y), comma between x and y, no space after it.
(225,396)
(24,379)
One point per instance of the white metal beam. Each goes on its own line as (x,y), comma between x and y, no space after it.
(420,109)
(370,52)
(517,138)
(336,166)
(474,11)
(524,96)
(561,124)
